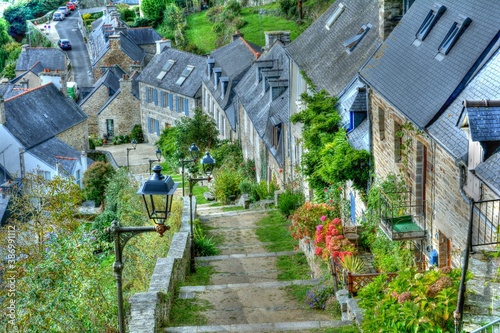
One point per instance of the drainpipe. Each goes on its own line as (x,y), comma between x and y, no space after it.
(370,133)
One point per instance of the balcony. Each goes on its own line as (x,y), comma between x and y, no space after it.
(401,218)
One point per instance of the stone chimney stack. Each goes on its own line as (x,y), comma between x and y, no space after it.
(390,13)
(274,36)
(237,34)
(161,44)
(126,84)
(114,42)
(3,120)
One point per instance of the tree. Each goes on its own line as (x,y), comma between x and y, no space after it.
(153,10)
(95,180)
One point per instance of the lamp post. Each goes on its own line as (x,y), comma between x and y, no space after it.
(194,151)
(208,163)
(154,191)
(158,159)
(134,144)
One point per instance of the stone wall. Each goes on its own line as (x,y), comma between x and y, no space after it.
(76,136)
(93,105)
(150,310)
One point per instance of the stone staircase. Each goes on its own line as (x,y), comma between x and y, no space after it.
(244,294)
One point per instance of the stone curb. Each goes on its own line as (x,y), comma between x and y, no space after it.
(284,326)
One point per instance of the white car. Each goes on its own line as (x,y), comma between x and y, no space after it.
(65,10)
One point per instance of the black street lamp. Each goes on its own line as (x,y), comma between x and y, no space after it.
(158,159)
(208,163)
(157,193)
(194,151)
(134,144)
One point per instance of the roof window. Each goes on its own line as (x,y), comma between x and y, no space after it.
(335,16)
(351,43)
(164,70)
(457,29)
(185,73)
(430,20)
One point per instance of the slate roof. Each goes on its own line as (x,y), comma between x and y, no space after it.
(40,114)
(489,172)
(110,80)
(417,80)
(191,85)
(258,105)
(53,151)
(485,85)
(102,28)
(143,35)
(36,69)
(130,48)
(47,57)
(234,59)
(358,137)
(9,90)
(321,54)
(484,123)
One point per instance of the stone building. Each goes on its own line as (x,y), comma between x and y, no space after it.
(418,79)
(224,69)
(169,88)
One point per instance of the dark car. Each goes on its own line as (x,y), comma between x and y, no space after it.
(64,44)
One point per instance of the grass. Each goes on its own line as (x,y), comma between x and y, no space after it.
(294,267)
(273,229)
(201,277)
(199,31)
(187,312)
(232,208)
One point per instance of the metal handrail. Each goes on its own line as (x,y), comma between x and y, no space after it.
(484,329)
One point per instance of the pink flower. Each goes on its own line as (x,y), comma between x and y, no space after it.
(318,251)
(319,227)
(323,218)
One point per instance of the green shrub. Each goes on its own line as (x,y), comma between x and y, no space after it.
(317,296)
(289,201)
(95,180)
(203,245)
(264,191)
(226,184)
(137,133)
(246,186)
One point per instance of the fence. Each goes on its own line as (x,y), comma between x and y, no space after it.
(493,327)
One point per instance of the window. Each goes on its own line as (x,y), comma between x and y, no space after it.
(429,21)
(381,123)
(180,104)
(398,140)
(185,73)
(155,96)
(276,135)
(168,65)
(457,29)
(334,16)
(163,99)
(352,42)
(170,101)
(149,94)
(44,174)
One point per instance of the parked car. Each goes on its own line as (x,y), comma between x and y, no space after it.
(65,10)
(64,44)
(71,5)
(58,16)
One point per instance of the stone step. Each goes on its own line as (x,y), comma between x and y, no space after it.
(236,304)
(290,327)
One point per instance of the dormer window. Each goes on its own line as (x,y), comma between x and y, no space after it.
(352,42)
(334,16)
(457,29)
(430,20)
(168,65)
(185,73)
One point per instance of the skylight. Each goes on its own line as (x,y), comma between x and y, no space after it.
(164,70)
(429,21)
(351,43)
(185,73)
(457,29)
(334,16)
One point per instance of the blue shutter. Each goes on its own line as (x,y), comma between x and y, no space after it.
(155,96)
(147,94)
(157,127)
(176,103)
(186,105)
(171,101)
(149,125)
(162,96)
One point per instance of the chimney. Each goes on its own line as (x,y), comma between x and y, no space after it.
(390,13)
(162,44)
(84,162)
(126,84)
(217,74)
(119,29)
(2,111)
(24,83)
(224,81)
(274,36)
(278,87)
(237,34)
(210,66)
(24,47)
(114,42)
(110,8)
